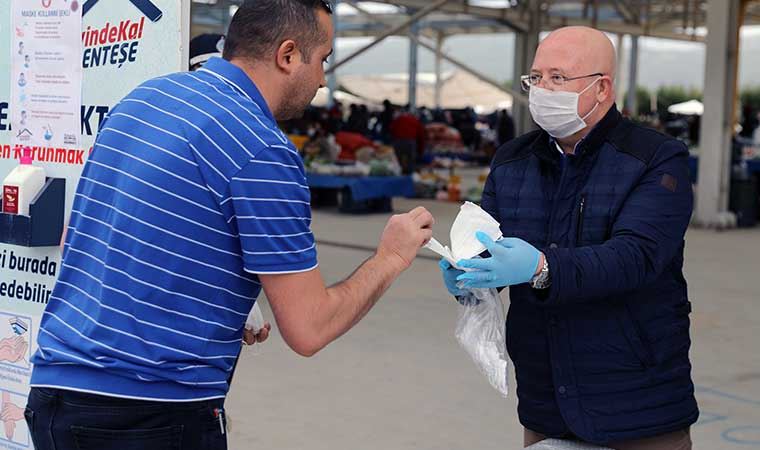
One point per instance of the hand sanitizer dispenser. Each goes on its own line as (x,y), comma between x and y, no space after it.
(22,185)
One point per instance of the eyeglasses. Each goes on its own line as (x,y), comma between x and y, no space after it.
(556,80)
(328,6)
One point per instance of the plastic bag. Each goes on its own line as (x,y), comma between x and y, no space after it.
(481,327)
(481,333)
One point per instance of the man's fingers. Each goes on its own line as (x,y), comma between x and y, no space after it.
(427,235)
(421,216)
(249,337)
(475,276)
(509,242)
(475,263)
(263,335)
(486,240)
(417,212)
(424,220)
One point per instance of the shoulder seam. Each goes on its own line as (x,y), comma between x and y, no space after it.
(659,138)
(526,139)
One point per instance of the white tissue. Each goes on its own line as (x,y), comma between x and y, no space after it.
(255,321)
(464,244)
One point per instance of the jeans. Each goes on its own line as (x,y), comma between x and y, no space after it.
(67,420)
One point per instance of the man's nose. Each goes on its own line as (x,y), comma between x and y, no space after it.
(543,83)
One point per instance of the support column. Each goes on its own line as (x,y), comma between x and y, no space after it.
(224,6)
(525,50)
(438,62)
(332,77)
(620,80)
(722,46)
(414,33)
(633,76)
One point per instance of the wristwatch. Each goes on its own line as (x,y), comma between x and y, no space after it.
(542,280)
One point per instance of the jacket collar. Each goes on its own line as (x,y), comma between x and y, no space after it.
(544,148)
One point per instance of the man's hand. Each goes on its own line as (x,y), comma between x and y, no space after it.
(310,316)
(450,275)
(513,261)
(404,235)
(250,338)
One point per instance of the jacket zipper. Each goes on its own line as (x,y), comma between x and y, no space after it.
(553,211)
(579,229)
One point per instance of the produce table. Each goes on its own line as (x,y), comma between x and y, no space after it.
(358,194)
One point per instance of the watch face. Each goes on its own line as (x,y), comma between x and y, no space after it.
(541,281)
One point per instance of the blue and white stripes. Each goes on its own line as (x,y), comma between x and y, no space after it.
(191,191)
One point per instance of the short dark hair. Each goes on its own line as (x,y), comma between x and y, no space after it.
(260,26)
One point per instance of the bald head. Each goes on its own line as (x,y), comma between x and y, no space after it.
(585,59)
(577,51)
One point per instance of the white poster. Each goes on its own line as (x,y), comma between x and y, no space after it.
(122,44)
(46,77)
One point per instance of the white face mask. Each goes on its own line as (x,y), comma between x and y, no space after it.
(556,112)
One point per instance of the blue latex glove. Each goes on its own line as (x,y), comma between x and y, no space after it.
(450,275)
(513,261)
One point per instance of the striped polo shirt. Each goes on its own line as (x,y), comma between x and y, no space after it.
(191,191)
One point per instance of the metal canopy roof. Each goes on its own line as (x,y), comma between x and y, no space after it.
(670,19)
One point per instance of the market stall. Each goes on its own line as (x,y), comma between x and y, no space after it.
(353,173)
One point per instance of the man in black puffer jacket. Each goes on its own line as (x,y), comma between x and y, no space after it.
(596,209)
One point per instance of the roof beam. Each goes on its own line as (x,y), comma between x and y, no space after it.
(392,31)
(516,95)
(634,30)
(552,22)
(511,18)
(625,12)
(386,20)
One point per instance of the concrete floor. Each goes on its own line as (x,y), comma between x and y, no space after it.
(399,380)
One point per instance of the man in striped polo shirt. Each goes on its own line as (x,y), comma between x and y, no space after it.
(191,202)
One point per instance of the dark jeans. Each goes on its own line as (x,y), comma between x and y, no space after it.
(66,420)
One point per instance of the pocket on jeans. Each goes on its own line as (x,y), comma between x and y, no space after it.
(40,438)
(214,433)
(166,438)
(29,417)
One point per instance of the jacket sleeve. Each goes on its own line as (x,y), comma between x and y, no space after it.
(488,202)
(646,235)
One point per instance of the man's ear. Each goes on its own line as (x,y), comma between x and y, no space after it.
(286,56)
(606,89)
